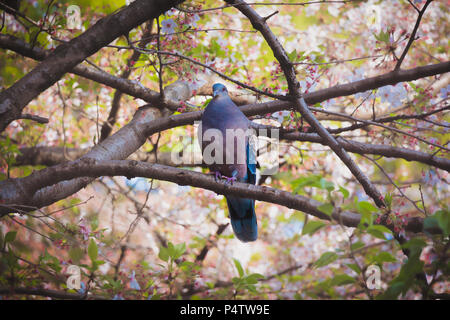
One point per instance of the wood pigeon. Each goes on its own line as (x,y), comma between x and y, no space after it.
(236,160)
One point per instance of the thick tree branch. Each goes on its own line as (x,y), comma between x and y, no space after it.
(50,156)
(92,168)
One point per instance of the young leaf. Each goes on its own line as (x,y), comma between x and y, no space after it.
(365,207)
(163,254)
(293,56)
(441,219)
(312,226)
(344,192)
(10,236)
(357,245)
(239,268)
(326,185)
(92,250)
(342,279)
(179,250)
(253,278)
(76,254)
(376,233)
(326,208)
(384,257)
(388,199)
(354,267)
(379,231)
(325,259)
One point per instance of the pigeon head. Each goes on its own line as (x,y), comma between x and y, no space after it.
(219,90)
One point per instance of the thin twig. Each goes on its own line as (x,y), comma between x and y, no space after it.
(33,117)
(413,35)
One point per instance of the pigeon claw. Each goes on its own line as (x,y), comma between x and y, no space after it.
(229,180)
(217,175)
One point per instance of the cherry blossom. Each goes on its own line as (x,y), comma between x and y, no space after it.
(168,26)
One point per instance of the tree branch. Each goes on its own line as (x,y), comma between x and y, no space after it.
(33,117)
(413,34)
(87,167)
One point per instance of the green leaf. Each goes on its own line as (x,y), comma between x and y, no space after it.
(326,208)
(307,181)
(388,200)
(383,36)
(297,216)
(430,223)
(344,192)
(163,254)
(239,267)
(357,245)
(76,254)
(393,291)
(293,56)
(381,228)
(354,267)
(365,207)
(443,217)
(171,249)
(326,185)
(10,236)
(365,221)
(407,276)
(179,250)
(415,244)
(384,257)
(94,222)
(312,226)
(441,220)
(92,250)
(253,278)
(325,259)
(378,231)
(174,251)
(342,279)
(236,280)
